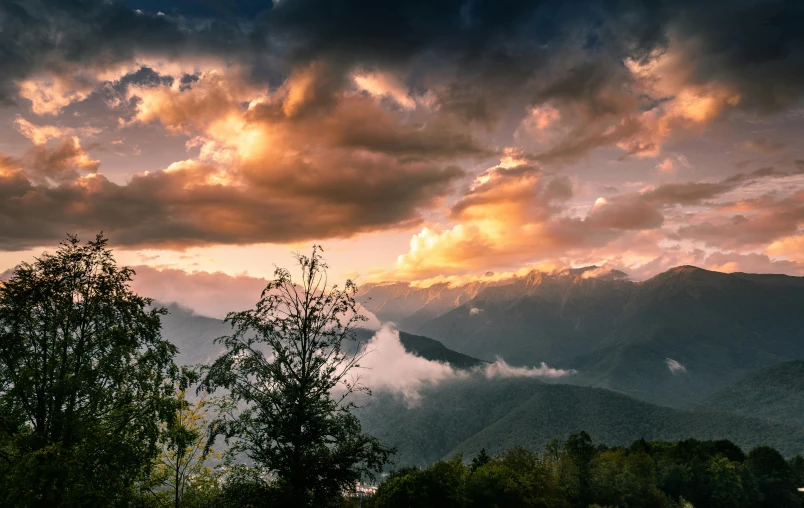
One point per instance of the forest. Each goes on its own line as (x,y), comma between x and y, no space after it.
(94,411)
(578,473)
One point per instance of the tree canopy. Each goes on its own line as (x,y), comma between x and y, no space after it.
(85,379)
(290,379)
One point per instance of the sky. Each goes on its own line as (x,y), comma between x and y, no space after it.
(421,140)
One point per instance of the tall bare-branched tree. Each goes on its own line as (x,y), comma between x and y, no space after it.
(290,377)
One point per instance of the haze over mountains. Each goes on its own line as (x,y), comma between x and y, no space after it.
(672,339)
(718,351)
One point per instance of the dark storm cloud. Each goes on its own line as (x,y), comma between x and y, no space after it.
(480,59)
(487,48)
(188,207)
(757,45)
(53,35)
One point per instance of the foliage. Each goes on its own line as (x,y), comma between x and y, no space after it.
(518,478)
(625,478)
(775,478)
(481,459)
(474,412)
(181,475)
(289,382)
(247,487)
(441,485)
(645,474)
(775,393)
(85,380)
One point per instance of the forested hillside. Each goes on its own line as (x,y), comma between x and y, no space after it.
(776,393)
(672,340)
(467,415)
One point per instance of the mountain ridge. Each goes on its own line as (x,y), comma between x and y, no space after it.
(775,393)
(622,334)
(465,416)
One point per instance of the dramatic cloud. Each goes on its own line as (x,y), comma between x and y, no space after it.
(791,247)
(752,263)
(757,223)
(388,367)
(514,213)
(276,122)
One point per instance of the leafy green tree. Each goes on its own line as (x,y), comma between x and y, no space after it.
(247,487)
(290,383)
(182,475)
(683,467)
(797,466)
(560,467)
(517,479)
(626,478)
(731,485)
(774,476)
(442,485)
(85,380)
(581,451)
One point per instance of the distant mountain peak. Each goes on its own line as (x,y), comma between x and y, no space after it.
(692,276)
(573,275)
(687,269)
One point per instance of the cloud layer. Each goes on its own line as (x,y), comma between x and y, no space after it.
(388,367)
(632,133)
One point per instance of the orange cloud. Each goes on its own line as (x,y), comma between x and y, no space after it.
(637,108)
(269,169)
(685,104)
(383,84)
(730,262)
(515,214)
(791,247)
(770,220)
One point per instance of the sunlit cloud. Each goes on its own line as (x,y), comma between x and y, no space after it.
(669,139)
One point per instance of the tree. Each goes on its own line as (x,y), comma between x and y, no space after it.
(85,379)
(518,479)
(442,485)
(290,384)
(775,477)
(626,478)
(581,451)
(481,459)
(181,476)
(732,486)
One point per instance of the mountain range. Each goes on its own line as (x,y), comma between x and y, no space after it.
(464,416)
(775,393)
(688,353)
(673,339)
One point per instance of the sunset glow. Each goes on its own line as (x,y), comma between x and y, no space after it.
(206,138)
